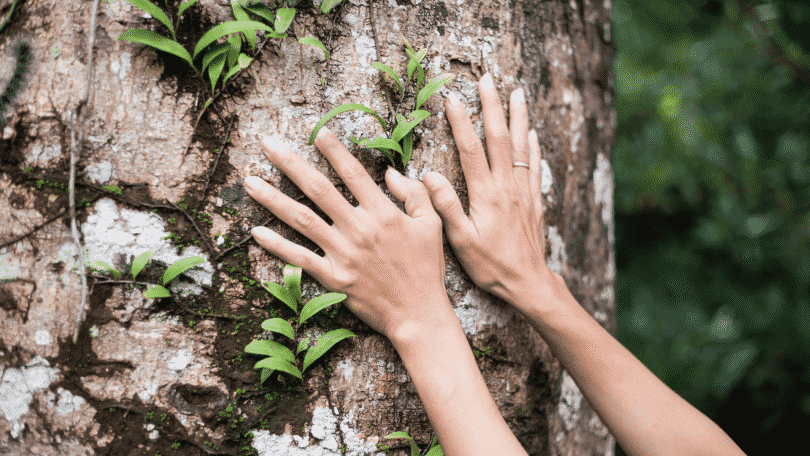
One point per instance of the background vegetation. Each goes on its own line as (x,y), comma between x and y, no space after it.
(712,206)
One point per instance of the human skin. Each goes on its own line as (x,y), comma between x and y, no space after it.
(390,265)
(501,247)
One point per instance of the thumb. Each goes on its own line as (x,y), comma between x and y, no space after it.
(447,204)
(413,193)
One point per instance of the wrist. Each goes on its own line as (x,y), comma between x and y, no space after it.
(424,328)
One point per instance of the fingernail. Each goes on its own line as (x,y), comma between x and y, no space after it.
(519,97)
(453,99)
(269,143)
(394,172)
(252,183)
(487,82)
(532,136)
(262,231)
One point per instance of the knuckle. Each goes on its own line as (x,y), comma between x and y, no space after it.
(353,171)
(471,145)
(305,220)
(319,187)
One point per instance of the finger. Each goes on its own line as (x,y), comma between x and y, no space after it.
(519,130)
(456,223)
(290,252)
(313,183)
(413,193)
(499,145)
(293,213)
(351,171)
(535,179)
(470,150)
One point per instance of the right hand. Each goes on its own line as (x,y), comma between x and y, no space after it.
(502,244)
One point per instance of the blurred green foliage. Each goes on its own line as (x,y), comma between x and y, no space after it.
(712,201)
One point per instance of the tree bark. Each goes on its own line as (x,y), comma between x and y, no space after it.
(157,376)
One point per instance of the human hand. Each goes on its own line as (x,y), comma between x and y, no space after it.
(501,245)
(390,265)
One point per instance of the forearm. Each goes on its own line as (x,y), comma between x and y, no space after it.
(463,414)
(644,415)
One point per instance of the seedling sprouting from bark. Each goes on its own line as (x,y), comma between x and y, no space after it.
(280,357)
(399,136)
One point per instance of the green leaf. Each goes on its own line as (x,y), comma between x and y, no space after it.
(186,4)
(319,303)
(315,42)
(270,348)
(381,143)
(261,10)
(266,374)
(278,364)
(241,15)
(283,294)
(414,62)
(405,125)
(404,435)
(390,72)
(435,451)
(431,88)
(292,279)
(407,44)
(156,291)
(155,12)
(284,17)
(235,46)
(407,148)
(339,110)
(158,42)
(243,62)
(216,70)
(113,189)
(327,5)
(302,345)
(139,263)
(179,267)
(324,344)
(218,49)
(226,28)
(280,326)
(103,265)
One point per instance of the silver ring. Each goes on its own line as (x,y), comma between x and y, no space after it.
(520,164)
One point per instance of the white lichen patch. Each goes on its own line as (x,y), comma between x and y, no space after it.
(110,232)
(477,310)
(121,67)
(17,388)
(324,441)
(558,258)
(546,178)
(41,155)
(603,191)
(570,401)
(181,361)
(99,173)
(42,337)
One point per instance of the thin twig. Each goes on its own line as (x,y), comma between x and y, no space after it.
(211,100)
(391,113)
(199,231)
(37,228)
(216,162)
(430,440)
(75,150)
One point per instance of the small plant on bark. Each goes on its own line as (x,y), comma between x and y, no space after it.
(399,130)
(280,357)
(219,55)
(434,450)
(153,291)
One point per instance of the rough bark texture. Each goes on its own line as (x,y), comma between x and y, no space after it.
(147,374)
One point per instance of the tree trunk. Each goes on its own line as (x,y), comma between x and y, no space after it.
(168,376)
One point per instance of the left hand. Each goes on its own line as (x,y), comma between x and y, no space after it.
(390,265)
